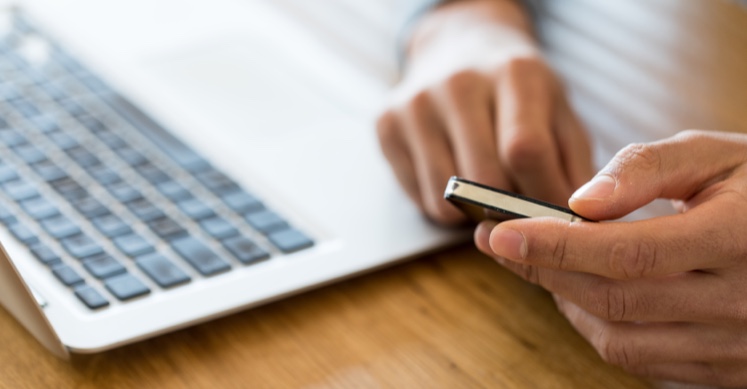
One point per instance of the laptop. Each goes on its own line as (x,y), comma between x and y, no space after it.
(163,163)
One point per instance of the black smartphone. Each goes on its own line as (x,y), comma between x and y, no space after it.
(482,202)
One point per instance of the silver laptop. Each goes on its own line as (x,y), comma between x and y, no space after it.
(166,162)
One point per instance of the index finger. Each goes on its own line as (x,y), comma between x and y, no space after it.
(526,141)
(696,240)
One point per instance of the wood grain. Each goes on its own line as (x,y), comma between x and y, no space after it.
(638,69)
(449,320)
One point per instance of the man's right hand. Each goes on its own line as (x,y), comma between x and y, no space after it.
(478,101)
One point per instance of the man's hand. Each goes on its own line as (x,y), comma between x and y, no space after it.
(664,297)
(478,101)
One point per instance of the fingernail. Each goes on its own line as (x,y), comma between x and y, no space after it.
(508,243)
(482,235)
(600,187)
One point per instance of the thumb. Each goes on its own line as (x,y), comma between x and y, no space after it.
(674,168)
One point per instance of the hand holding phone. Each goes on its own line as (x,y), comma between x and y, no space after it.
(482,202)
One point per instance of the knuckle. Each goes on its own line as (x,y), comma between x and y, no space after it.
(712,374)
(463,82)
(639,156)
(609,300)
(529,273)
(692,135)
(633,260)
(524,65)
(523,153)
(618,303)
(560,254)
(419,104)
(387,128)
(615,350)
(441,212)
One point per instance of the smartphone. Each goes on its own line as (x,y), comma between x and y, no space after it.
(482,202)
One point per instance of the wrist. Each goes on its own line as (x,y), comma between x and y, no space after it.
(466,21)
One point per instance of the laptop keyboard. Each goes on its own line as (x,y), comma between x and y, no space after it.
(112,203)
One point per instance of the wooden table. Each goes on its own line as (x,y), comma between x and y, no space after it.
(454,319)
(449,320)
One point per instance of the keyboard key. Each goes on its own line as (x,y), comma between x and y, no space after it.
(166,228)
(110,139)
(82,156)
(89,207)
(29,153)
(39,208)
(162,271)
(103,174)
(8,92)
(217,182)
(90,297)
(73,108)
(218,228)
(6,217)
(45,254)
(126,286)
(94,83)
(69,188)
(64,59)
(173,190)
(63,140)
(81,246)
(201,257)
(242,202)
(20,190)
(144,209)
(111,225)
(290,240)
(266,221)
(26,108)
(195,209)
(66,274)
(123,191)
(133,245)
(7,173)
(91,123)
(54,92)
(130,156)
(103,266)
(48,170)
(37,77)
(44,123)
(23,233)
(60,227)
(245,250)
(152,173)
(11,138)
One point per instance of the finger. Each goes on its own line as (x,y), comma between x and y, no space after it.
(649,300)
(396,151)
(673,168)
(432,158)
(467,107)
(696,240)
(633,346)
(525,138)
(482,236)
(573,145)
(712,375)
